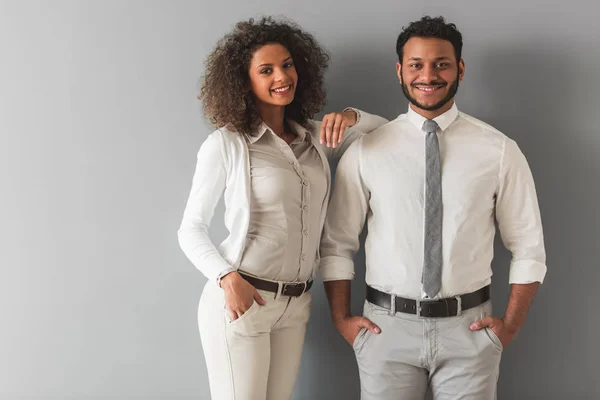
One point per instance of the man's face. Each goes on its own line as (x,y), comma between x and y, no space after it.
(430,73)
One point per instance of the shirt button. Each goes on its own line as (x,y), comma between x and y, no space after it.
(295,164)
(305,208)
(305,231)
(303,257)
(305,183)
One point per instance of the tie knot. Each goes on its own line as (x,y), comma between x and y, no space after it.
(430,126)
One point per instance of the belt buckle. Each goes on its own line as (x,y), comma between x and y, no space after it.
(421,301)
(446,302)
(284,291)
(431,301)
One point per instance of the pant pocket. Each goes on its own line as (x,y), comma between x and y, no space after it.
(243,317)
(360,339)
(494,339)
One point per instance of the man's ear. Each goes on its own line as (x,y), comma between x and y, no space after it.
(461,69)
(399,71)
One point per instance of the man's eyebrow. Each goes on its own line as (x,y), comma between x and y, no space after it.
(437,59)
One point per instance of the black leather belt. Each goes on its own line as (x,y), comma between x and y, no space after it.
(435,308)
(294,289)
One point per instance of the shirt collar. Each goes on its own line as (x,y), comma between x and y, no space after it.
(443,120)
(257,133)
(263,128)
(299,130)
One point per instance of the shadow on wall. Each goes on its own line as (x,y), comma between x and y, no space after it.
(536,91)
(528,93)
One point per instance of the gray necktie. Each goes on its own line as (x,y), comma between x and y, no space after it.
(432,261)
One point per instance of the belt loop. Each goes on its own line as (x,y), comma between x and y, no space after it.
(418,311)
(393,305)
(279,289)
(458,306)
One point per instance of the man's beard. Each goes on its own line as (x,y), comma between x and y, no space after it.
(451,93)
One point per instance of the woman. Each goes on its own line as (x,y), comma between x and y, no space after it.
(263,84)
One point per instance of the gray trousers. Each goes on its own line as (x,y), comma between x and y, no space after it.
(413,353)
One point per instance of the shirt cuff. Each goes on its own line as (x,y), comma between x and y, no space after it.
(357,114)
(335,268)
(526,271)
(223,273)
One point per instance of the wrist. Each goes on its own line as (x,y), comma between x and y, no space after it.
(351,116)
(511,327)
(340,317)
(228,279)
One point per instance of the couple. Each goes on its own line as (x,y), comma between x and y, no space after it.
(430,183)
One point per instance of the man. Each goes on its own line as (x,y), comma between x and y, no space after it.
(431,183)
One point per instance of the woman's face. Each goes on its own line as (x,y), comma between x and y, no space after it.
(273,76)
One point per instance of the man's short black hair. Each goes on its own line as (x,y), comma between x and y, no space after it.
(428,27)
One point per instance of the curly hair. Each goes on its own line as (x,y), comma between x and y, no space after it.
(428,27)
(224,92)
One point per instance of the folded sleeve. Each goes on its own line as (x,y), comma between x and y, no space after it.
(345,218)
(518,216)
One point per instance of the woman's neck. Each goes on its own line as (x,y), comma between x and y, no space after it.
(274,117)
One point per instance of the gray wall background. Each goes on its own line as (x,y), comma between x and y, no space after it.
(100,126)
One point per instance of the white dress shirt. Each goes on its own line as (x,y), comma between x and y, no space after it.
(382,177)
(287,193)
